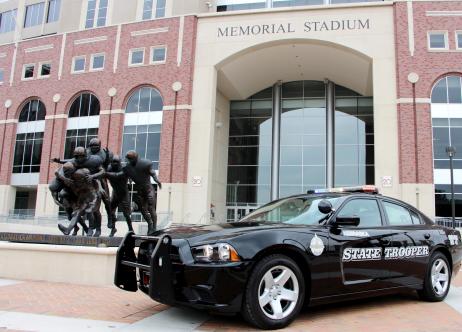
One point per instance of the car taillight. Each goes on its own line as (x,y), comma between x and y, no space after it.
(146,279)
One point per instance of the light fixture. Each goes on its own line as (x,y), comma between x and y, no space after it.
(8,103)
(413,77)
(112,92)
(56,98)
(177,86)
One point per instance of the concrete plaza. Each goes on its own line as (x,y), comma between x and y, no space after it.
(44,306)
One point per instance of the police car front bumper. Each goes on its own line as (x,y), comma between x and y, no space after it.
(173,280)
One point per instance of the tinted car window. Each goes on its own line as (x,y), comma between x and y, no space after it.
(366,209)
(397,215)
(292,210)
(415,218)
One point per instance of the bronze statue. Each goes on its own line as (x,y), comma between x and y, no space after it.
(63,195)
(120,195)
(106,156)
(140,172)
(94,165)
(88,200)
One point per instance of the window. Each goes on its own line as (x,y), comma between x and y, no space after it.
(447,91)
(415,218)
(459,40)
(158,54)
(29,139)
(2,74)
(446,110)
(34,14)
(145,100)
(54,7)
(78,64)
(143,124)
(97,62)
(438,40)
(78,137)
(45,69)
(28,153)
(96,13)
(86,104)
(34,110)
(153,9)
(366,209)
(136,57)
(8,21)
(28,72)
(397,214)
(79,133)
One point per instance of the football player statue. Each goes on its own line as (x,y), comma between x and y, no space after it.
(140,171)
(94,149)
(94,165)
(88,199)
(120,195)
(63,195)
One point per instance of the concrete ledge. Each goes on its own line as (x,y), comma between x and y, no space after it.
(71,264)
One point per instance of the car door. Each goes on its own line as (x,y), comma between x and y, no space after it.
(408,254)
(358,249)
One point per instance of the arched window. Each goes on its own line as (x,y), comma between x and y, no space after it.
(82,123)
(85,104)
(34,110)
(143,124)
(29,137)
(446,110)
(447,91)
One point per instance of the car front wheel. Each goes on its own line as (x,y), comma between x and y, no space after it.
(437,279)
(275,293)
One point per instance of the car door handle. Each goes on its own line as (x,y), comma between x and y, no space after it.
(427,236)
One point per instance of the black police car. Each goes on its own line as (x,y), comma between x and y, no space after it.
(307,249)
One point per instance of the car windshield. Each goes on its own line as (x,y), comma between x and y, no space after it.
(292,210)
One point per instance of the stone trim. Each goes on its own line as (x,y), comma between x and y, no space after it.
(39,48)
(443,13)
(178,107)
(8,121)
(180,42)
(115,111)
(148,32)
(90,40)
(57,116)
(410,100)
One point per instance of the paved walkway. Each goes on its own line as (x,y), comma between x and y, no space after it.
(42,306)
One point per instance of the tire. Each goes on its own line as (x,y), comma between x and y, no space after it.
(290,294)
(436,285)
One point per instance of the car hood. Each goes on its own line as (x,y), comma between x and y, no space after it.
(219,232)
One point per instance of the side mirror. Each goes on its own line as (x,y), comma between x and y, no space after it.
(347,221)
(325,206)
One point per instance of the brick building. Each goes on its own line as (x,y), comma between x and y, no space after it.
(351,84)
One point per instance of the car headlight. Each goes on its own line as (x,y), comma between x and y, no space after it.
(219,252)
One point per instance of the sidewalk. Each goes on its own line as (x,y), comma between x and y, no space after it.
(43,306)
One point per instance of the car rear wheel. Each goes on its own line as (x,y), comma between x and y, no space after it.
(437,279)
(275,293)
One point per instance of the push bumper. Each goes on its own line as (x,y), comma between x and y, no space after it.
(159,267)
(212,287)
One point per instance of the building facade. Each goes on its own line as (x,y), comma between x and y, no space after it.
(237,102)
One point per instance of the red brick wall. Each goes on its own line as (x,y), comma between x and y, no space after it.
(125,80)
(430,66)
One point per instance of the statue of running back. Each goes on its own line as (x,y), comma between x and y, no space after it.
(120,195)
(140,171)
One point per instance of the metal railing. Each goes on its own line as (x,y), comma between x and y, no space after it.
(447,222)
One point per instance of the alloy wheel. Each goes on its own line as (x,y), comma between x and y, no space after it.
(440,276)
(278,292)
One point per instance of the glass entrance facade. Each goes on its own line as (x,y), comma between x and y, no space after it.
(303,143)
